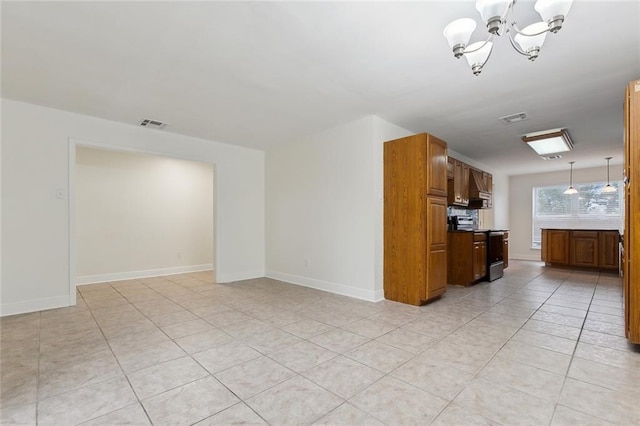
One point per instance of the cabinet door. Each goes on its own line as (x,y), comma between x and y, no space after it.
(464,187)
(584,248)
(545,239)
(609,249)
(436,277)
(457,181)
(557,247)
(436,166)
(479,260)
(488,183)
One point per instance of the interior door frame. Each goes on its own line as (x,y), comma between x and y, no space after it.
(73,249)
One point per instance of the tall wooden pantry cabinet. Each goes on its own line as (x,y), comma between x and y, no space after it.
(415,219)
(631,258)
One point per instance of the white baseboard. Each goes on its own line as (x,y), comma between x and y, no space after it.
(119,276)
(378,296)
(34,305)
(344,290)
(524,256)
(238,276)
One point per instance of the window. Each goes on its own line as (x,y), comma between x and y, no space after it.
(588,209)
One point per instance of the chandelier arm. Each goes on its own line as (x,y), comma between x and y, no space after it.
(488,56)
(514,25)
(516,47)
(481,46)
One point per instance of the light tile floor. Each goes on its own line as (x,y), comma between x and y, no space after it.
(540,346)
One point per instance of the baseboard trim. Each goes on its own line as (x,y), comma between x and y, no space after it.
(119,276)
(34,305)
(344,290)
(524,257)
(238,276)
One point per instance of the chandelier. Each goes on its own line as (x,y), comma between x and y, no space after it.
(498,15)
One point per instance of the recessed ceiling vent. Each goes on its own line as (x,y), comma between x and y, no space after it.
(153,124)
(551,157)
(514,118)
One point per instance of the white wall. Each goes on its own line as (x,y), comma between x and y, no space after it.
(521,202)
(141,215)
(35,224)
(320,210)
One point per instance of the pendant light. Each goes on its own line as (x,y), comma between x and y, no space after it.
(609,187)
(571,190)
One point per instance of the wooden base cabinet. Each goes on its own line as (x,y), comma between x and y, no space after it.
(555,247)
(580,248)
(631,262)
(467,261)
(415,219)
(584,249)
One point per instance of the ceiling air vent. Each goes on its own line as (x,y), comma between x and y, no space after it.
(551,157)
(153,124)
(514,118)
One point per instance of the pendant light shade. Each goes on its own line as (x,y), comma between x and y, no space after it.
(459,31)
(553,12)
(458,34)
(531,44)
(478,54)
(571,190)
(492,12)
(609,187)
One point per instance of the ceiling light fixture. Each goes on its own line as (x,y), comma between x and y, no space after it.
(571,190)
(498,16)
(609,187)
(549,141)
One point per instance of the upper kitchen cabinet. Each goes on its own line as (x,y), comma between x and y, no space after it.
(436,165)
(631,240)
(415,219)
(458,183)
(468,186)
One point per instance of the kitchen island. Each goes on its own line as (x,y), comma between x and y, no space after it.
(581,248)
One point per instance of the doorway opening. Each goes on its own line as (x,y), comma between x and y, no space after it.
(135,214)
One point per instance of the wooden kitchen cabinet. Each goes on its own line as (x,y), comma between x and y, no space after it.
(608,241)
(557,247)
(415,219)
(487,179)
(584,249)
(580,248)
(458,184)
(479,258)
(467,260)
(631,240)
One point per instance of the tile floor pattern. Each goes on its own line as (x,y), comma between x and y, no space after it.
(540,346)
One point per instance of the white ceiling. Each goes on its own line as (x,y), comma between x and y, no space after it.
(261,73)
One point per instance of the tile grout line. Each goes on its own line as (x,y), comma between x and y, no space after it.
(118,361)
